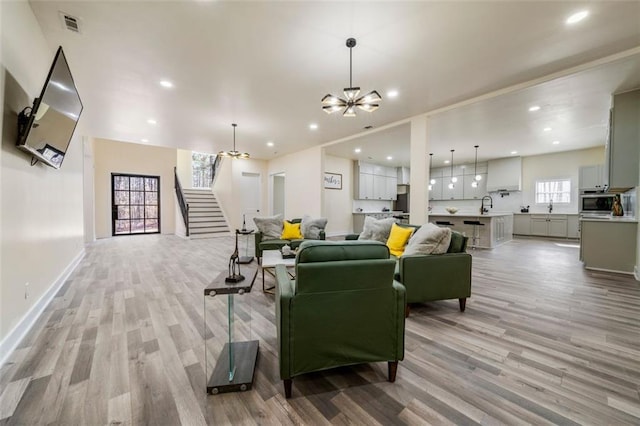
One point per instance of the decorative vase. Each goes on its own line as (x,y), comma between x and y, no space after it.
(617,209)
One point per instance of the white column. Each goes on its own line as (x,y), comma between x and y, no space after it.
(419,177)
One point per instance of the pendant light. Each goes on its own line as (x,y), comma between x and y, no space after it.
(234,153)
(475,170)
(432,181)
(453,178)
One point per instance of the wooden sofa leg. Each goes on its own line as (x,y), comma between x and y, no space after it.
(463,303)
(393,369)
(287,388)
(407,310)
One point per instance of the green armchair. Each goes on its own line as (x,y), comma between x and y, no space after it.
(343,308)
(267,244)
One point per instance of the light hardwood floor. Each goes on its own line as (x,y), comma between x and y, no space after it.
(542,341)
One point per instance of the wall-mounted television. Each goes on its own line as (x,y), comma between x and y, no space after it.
(46,128)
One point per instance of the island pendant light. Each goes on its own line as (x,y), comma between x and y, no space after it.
(453,178)
(234,153)
(432,181)
(475,170)
(368,102)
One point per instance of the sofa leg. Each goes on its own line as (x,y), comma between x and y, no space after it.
(407,310)
(287,388)
(393,369)
(463,303)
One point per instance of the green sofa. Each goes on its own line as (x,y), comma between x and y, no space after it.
(434,277)
(262,244)
(343,308)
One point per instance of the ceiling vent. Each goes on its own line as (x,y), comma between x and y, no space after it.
(70,22)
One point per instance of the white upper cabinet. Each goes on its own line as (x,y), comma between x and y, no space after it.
(592,177)
(471,193)
(504,174)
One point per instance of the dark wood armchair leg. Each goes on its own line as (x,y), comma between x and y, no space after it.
(463,303)
(407,310)
(287,388)
(393,369)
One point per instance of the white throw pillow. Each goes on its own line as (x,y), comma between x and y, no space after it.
(270,226)
(376,229)
(429,239)
(311,228)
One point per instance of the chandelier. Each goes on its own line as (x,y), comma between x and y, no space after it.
(368,102)
(234,153)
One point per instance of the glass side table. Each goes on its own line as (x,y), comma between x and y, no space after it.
(235,367)
(243,260)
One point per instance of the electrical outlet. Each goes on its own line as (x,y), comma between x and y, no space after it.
(26,291)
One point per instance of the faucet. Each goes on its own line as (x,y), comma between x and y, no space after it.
(484,210)
(550,206)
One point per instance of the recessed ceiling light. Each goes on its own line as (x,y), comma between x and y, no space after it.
(446,161)
(389,158)
(144,140)
(514,152)
(577,17)
(534,108)
(151,121)
(313,126)
(392,93)
(556,142)
(166,83)
(547,129)
(357,150)
(269,143)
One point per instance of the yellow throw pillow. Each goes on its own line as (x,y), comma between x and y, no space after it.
(398,239)
(291,231)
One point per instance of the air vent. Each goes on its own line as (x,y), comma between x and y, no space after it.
(70,22)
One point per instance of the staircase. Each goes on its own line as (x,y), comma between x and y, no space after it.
(205,216)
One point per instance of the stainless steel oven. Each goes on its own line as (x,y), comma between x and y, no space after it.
(596,203)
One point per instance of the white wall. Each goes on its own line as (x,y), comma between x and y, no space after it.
(338,208)
(227,186)
(121,157)
(88,172)
(548,166)
(303,181)
(184,166)
(41,208)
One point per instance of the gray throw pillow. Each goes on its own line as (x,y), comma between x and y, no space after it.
(376,229)
(270,226)
(429,239)
(311,227)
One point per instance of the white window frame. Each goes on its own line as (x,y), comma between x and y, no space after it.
(548,194)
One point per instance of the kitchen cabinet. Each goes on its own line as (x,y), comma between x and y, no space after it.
(592,177)
(573,226)
(380,183)
(471,193)
(455,193)
(522,224)
(624,139)
(609,245)
(463,189)
(547,225)
(435,193)
(504,174)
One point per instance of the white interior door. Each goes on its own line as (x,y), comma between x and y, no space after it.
(250,196)
(278,194)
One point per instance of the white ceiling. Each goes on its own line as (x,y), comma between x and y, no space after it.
(266,65)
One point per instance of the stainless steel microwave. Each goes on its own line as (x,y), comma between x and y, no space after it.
(596,203)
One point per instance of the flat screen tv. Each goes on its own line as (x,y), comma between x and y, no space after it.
(46,128)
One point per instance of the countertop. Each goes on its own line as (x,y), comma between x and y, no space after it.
(459,214)
(395,212)
(551,214)
(611,219)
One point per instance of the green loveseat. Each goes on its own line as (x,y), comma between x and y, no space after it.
(434,277)
(343,308)
(262,244)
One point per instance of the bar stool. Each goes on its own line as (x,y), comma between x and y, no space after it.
(476,235)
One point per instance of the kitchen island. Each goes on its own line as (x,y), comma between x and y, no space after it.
(496,228)
(609,243)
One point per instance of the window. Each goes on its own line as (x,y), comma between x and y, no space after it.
(556,190)
(202,169)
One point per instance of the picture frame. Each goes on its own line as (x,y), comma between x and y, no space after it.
(332,180)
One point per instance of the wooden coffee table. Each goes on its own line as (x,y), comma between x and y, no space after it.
(271,258)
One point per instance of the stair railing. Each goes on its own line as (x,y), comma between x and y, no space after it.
(184,206)
(214,168)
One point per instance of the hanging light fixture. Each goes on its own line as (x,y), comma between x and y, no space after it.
(475,170)
(432,181)
(234,153)
(368,102)
(453,178)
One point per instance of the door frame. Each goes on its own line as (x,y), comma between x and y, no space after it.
(114,209)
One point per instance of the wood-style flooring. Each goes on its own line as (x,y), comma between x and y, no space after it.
(542,341)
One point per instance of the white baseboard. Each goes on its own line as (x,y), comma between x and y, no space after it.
(15,336)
